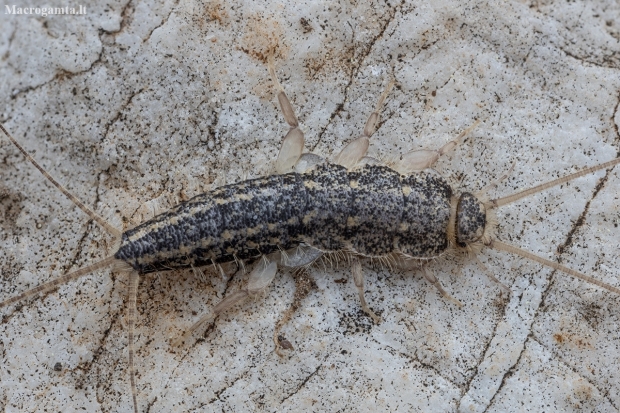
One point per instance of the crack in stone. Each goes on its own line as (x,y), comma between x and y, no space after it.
(355,71)
(60,75)
(572,368)
(5,56)
(607,61)
(483,353)
(547,290)
(415,358)
(163,21)
(304,381)
(86,366)
(209,329)
(223,389)
(615,125)
(119,112)
(125,16)
(509,372)
(151,404)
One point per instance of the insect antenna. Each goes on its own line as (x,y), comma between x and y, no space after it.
(115,232)
(109,261)
(498,245)
(495,203)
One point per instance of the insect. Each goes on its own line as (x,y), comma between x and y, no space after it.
(353,208)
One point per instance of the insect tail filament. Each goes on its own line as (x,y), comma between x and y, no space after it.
(498,245)
(50,285)
(134,281)
(115,232)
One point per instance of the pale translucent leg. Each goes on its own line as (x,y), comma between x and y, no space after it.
(422,159)
(300,256)
(496,182)
(491,276)
(293,144)
(308,161)
(368,160)
(430,277)
(148,210)
(303,285)
(350,155)
(259,280)
(358,279)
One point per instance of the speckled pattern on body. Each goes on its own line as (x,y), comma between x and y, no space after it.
(373,211)
(471,218)
(426,214)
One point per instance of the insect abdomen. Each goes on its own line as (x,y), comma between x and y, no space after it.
(373,211)
(240,220)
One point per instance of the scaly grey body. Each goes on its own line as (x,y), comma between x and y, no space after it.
(373,211)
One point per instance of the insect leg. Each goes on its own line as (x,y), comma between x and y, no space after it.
(368,160)
(430,277)
(495,183)
(293,144)
(300,256)
(308,161)
(148,210)
(425,158)
(259,280)
(350,155)
(303,285)
(490,275)
(358,279)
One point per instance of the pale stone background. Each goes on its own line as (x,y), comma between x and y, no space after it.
(147,99)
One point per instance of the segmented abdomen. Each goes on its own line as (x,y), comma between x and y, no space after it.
(373,211)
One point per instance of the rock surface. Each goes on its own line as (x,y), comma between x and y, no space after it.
(161,100)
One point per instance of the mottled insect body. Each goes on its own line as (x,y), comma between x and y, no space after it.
(355,206)
(373,212)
